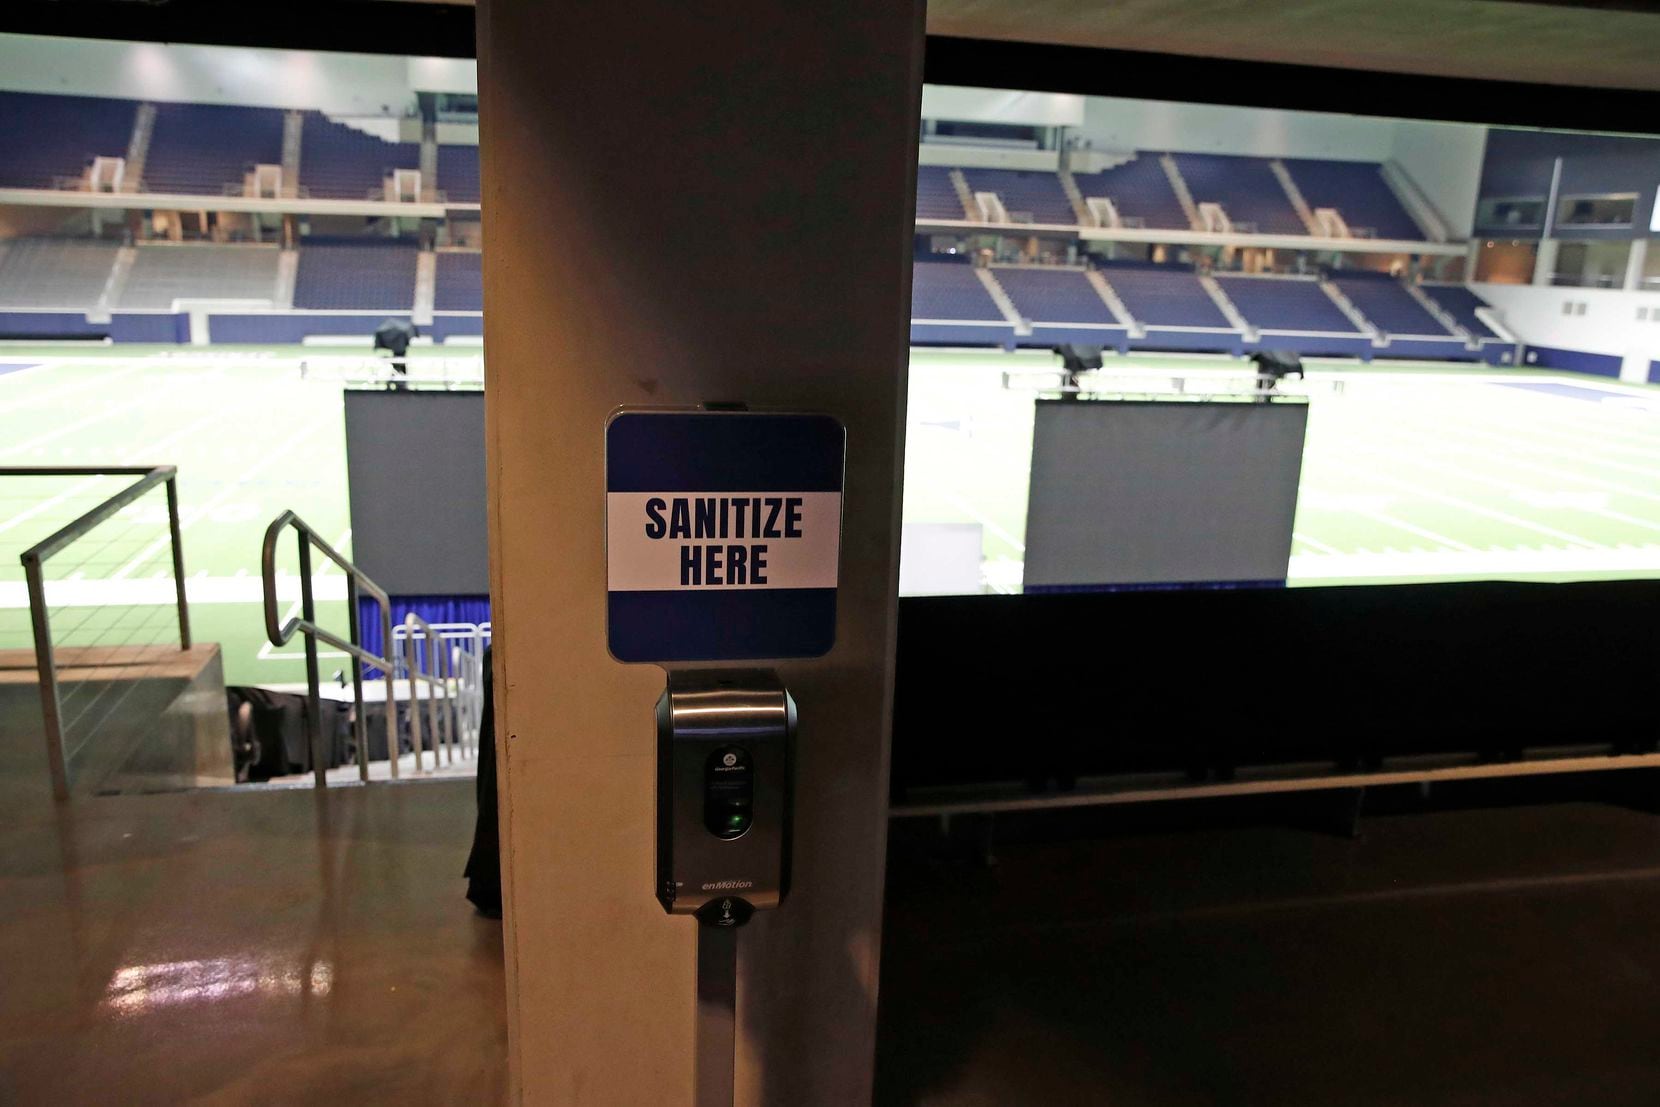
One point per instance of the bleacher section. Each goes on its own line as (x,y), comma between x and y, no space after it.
(1028,197)
(341,163)
(1061,305)
(458,173)
(1173,307)
(1139,190)
(1461,303)
(460,281)
(52,137)
(1412,331)
(200,149)
(950,305)
(1245,187)
(1278,307)
(55,273)
(1359,193)
(377,275)
(162,274)
(936,196)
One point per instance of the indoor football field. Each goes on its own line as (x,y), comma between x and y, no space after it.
(1411,473)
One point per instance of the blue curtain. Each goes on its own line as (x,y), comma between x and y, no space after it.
(434,609)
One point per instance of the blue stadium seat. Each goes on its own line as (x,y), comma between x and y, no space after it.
(48,137)
(936,196)
(1388,305)
(1028,197)
(342,163)
(460,281)
(369,275)
(458,173)
(199,149)
(1360,194)
(1139,190)
(1245,187)
(1054,295)
(1164,296)
(1286,304)
(1461,303)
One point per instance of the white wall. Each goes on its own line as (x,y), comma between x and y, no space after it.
(1000,105)
(1118,124)
(1609,325)
(340,84)
(1444,160)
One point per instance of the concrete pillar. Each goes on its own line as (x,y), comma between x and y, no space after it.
(1635,263)
(686,203)
(1544,261)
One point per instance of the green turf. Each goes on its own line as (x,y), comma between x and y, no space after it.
(1411,473)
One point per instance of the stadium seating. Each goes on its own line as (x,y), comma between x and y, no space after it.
(346,274)
(460,284)
(936,196)
(342,163)
(1359,193)
(55,272)
(1165,296)
(1027,197)
(458,173)
(1054,295)
(1245,187)
(1139,190)
(52,137)
(950,305)
(162,274)
(199,149)
(1286,304)
(1388,305)
(1461,304)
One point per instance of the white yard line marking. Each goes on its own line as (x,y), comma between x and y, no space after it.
(112,412)
(136,457)
(1315,544)
(232,488)
(1429,442)
(1578,452)
(1478,509)
(69,388)
(961,504)
(1412,528)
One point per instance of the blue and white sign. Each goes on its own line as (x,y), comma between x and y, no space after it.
(723,534)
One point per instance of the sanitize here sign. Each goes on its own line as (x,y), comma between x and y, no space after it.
(723,535)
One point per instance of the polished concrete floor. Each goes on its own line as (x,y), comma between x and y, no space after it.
(262,947)
(288,947)
(1462,951)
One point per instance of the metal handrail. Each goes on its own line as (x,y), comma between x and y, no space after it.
(358,584)
(442,721)
(34,559)
(280,634)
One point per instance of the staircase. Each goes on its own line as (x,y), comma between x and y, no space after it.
(288,267)
(964,196)
(113,284)
(138,147)
(1184,197)
(292,124)
(1442,315)
(1227,308)
(1347,307)
(1295,195)
(426,287)
(429,160)
(1416,203)
(1005,305)
(1109,296)
(1080,209)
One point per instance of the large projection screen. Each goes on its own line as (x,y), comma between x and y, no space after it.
(415,469)
(1127,492)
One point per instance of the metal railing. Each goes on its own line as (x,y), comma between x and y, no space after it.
(34,574)
(438,675)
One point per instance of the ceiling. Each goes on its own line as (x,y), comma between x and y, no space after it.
(1608,45)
